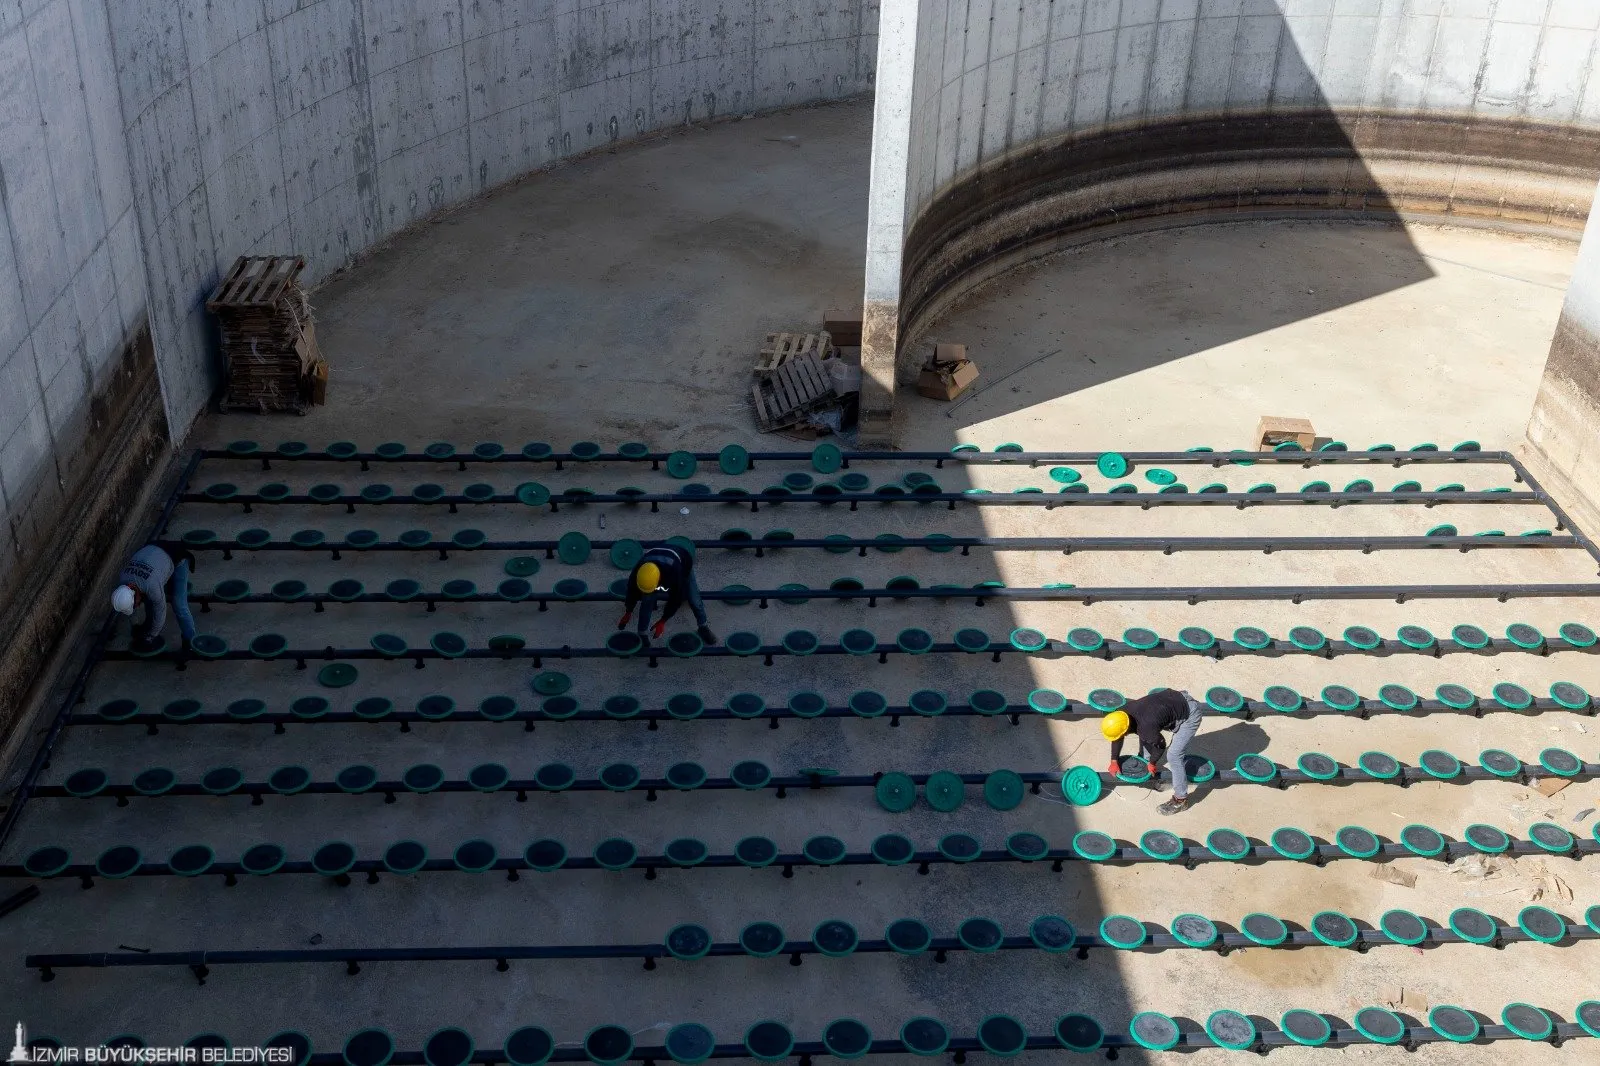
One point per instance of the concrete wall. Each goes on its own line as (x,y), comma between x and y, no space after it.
(80,416)
(71,277)
(324,126)
(1564,429)
(1032,118)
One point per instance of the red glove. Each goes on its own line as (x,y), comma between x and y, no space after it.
(626,617)
(658,629)
(1115,767)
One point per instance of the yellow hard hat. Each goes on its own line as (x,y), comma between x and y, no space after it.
(1114,726)
(648,576)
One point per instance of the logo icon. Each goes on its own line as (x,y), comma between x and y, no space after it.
(19,1050)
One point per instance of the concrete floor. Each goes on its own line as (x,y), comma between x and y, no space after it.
(648,276)
(574,307)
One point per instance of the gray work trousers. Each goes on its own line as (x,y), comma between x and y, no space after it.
(1180,747)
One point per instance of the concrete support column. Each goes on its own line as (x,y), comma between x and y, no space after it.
(1564,431)
(886,218)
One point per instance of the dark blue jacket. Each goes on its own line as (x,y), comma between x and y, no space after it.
(675,564)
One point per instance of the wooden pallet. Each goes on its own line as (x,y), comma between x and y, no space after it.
(783,347)
(797,387)
(268,340)
(256,281)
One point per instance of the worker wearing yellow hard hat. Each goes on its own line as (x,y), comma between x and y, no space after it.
(1147,718)
(665,575)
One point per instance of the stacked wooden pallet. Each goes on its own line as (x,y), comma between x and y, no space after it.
(792,380)
(798,388)
(782,347)
(269,344)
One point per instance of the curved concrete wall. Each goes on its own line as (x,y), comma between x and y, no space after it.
(1028,120)
(324,126)
(1564,428)
(997,76)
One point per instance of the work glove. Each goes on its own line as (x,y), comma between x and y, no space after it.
(627,616)
(658,629)
(1115,767)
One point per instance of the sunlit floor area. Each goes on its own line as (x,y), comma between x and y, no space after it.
(1168,339)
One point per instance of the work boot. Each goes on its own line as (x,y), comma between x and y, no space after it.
(1173,806)
(707,637)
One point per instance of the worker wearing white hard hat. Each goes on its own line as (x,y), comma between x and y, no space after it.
(148,578)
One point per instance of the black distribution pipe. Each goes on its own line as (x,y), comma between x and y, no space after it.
(1226,941)
(941,544)
(653,653)
(1143,501)
(1188,855)
(972,458)
(1265,1038)
(1562,520)
(1249,709)
(1282,777)
(18,900)
(1400,593)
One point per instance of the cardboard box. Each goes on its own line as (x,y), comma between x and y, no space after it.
(306,347)
(949,353)
(844,327)
(1273,430)
(319,382)
(946,381)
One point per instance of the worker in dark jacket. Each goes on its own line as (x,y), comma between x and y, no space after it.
(664,575)
(1147,718)
(150,576)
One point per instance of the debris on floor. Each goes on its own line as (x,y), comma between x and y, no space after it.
(1274,430)
(947,373)
(269,342)
(1398,997)
(1388,871)
(1501,875)
(1549,786)
(1544,882)
(802,386)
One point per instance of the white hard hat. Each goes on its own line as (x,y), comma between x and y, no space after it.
(122,600)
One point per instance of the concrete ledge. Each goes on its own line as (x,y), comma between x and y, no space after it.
(55,580)
(1562,447)
(1365,166)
